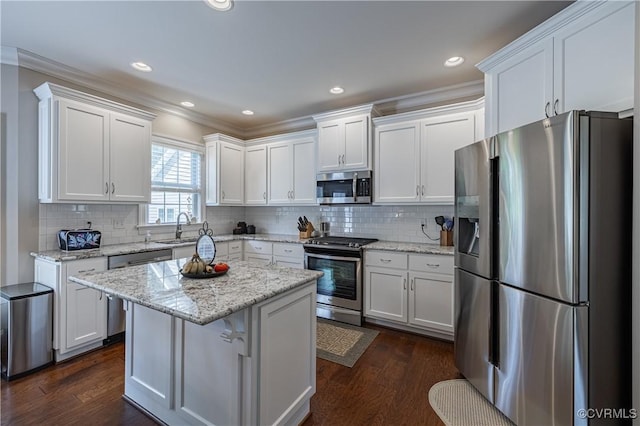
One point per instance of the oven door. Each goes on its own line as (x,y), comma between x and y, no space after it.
(341,284)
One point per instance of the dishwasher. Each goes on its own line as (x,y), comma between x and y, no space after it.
(115,312)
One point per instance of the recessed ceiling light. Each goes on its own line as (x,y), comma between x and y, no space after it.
(187,104)
(221,5)
(336,90)
(141,66)
(454,61)
(247,112)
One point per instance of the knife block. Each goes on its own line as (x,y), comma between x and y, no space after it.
(307,234)
(446,238)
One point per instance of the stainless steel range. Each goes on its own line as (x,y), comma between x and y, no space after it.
(340,289)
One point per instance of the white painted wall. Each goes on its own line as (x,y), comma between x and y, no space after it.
(20,191)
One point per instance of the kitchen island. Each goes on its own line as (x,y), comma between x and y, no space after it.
(237,349)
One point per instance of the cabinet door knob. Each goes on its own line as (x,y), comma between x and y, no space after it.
(404,283)
(106,191)
(264,195)
(555,107)
(223,195)
(113,188)
(546,109)
(422,189)
(417,190)
(339,162)
(412,284)
(343,159)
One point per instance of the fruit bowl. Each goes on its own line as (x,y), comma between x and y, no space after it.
(204,274)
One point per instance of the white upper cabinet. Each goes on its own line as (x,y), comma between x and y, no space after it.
(224,170)
(344,139)
(255,175)
(414,152)
(291,169)
(581,58)
(92,149)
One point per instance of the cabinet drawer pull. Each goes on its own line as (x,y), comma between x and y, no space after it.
(87,270)
(264,195)
(107,188)
(417,190)
(412,284)
(258,248)
(113,188)
(422,189)
(546,109)
(343,159)
(555,107)
(433,265)
(385,260)
(288,250)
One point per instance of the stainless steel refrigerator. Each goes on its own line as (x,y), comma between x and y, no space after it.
(543,269)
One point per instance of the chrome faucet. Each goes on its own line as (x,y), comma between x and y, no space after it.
(179,227)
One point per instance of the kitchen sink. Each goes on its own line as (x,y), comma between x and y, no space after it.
(178,241)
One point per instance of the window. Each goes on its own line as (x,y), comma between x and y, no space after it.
(176,176)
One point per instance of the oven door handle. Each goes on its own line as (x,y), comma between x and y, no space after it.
(332,257)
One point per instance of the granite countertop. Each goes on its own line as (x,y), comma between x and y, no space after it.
(116,249)
(410,247)
(160,286)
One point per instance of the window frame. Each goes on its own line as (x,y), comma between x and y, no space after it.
(184,145)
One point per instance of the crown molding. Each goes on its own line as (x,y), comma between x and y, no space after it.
(564,17)
(285,126)
(430,97)
(303,134)
(465,106)
(55,69)
(383,107)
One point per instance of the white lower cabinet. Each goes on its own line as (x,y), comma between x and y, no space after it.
(80,313)
(411,291)
(254,367)
(289,255)
(266,253)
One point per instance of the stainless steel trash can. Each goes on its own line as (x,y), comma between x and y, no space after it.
(26,327)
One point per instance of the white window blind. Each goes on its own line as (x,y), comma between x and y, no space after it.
(176,175)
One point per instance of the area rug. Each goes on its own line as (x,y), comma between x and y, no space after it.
(458,403)
(342,343)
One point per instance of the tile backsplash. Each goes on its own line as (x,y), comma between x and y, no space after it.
(391,223)
(119,223)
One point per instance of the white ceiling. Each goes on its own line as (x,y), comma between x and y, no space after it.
(278,58)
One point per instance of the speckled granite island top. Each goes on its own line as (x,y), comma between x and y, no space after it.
(410,247)
(160,286)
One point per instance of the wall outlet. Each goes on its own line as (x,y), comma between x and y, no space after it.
(118,224)
(423,222)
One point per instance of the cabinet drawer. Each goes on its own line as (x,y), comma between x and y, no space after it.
(386,259)
(258,247)
(289,250)
(440,264)
(87,265)
(235,247)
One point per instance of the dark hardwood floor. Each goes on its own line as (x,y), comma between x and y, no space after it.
(389,385)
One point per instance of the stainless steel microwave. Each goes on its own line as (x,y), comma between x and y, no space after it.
(344,188)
